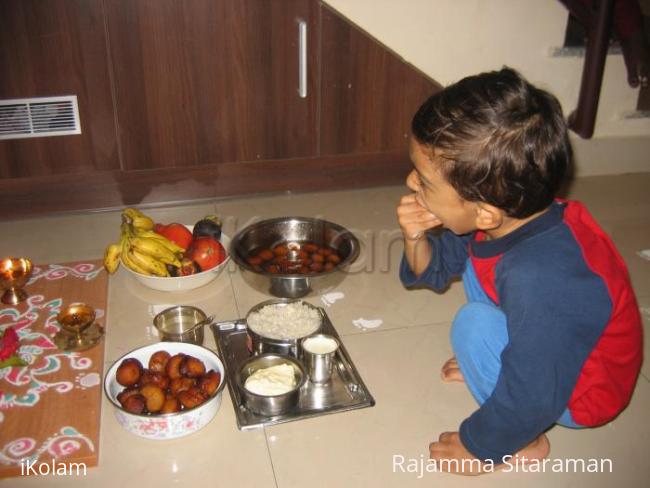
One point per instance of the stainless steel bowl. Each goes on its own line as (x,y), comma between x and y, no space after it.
(261,344)
(272,405)
(269,233)
(176,324)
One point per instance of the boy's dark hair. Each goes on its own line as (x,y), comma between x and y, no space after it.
(501,140)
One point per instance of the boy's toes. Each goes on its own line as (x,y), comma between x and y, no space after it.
(451,372)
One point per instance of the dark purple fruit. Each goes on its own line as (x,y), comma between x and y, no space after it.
(208,227)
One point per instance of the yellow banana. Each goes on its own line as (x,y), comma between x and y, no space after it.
(143,223)
(128,261)
(112,257)
(150,264)
(155,249)
(125,255)
(149,234)
(126,231)
(138,219)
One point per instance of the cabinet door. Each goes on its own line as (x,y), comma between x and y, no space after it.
(53,48)
(206,81)
(369,95)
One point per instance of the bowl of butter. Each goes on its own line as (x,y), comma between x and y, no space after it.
(270,383)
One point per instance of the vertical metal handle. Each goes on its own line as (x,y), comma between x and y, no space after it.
(302,58)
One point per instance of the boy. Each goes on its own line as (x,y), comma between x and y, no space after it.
(551,332)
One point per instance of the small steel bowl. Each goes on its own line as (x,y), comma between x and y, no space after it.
(271,405)
(174,324)
(261,344)
(269,233)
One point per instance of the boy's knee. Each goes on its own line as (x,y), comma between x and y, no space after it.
(474,323)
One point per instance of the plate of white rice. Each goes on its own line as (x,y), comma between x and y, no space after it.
(285,321)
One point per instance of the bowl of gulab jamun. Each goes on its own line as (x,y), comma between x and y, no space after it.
(292,257)
(165,390)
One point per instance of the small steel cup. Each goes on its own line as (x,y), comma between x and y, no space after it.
(318,356)
(176,324)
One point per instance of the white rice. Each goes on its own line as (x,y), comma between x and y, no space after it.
(291,321)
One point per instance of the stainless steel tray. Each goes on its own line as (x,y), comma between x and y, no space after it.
(345,391)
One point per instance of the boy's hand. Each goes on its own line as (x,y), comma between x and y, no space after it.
(414,219)
(450,449)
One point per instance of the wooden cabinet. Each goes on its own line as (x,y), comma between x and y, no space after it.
(368,94)
(199,82)
(204,91)
(52,48)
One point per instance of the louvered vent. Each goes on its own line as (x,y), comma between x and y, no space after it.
(39,117)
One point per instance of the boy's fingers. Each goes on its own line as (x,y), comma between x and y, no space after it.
(415,215)
(406,199)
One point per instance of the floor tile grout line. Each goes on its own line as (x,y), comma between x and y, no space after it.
(268,450)
(234,296)
(402,327)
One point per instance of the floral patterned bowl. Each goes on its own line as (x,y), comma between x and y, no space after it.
(173,425)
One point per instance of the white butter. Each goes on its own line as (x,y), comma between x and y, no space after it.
(274,380)
(320,345)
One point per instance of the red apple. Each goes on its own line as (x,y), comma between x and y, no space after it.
(177,233)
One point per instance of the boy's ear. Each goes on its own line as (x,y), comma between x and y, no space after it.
(488,216)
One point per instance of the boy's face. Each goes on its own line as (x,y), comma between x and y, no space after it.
(435,194)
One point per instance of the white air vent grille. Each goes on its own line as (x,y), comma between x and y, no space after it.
(39,117)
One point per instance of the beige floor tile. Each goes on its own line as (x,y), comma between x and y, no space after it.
(186,214)
(365,301)
(217,455)
(401,368)
(60,239)
(625,442)
(399,359)
(356,210)
(372,292)
(615,198)
(74,237)
(630,241)
(132,306)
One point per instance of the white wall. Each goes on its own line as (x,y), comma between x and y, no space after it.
(450,39)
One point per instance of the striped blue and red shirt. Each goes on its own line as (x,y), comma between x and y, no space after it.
(574,328)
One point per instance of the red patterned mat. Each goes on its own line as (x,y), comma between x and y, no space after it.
(50,409)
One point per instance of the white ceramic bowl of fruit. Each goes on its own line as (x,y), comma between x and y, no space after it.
(181,420)
(203,252)
(188,282)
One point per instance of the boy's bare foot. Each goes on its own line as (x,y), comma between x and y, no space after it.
(451,371)
(536,450)
(451,456)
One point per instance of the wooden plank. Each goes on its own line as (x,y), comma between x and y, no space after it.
(50,409)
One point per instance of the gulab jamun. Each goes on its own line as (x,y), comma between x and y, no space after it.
(129,371)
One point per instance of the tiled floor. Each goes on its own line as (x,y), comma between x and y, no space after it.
(399,359)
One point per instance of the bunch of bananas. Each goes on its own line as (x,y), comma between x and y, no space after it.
(140,248)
